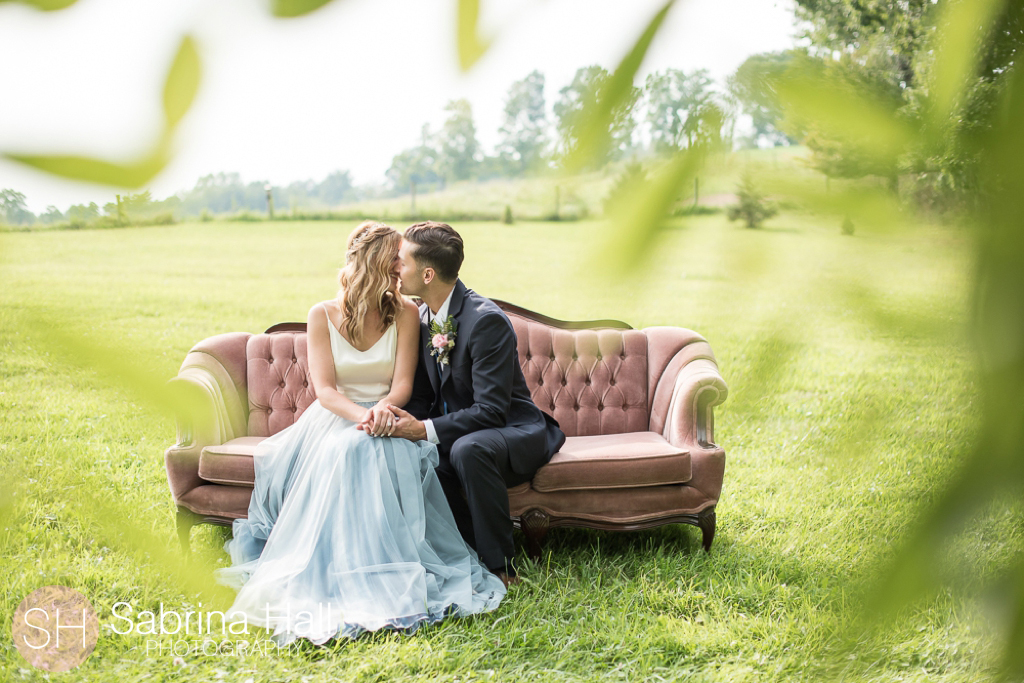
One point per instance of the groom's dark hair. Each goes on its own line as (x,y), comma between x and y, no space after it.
(437,246)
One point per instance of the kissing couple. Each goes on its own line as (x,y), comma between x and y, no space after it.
(385,505)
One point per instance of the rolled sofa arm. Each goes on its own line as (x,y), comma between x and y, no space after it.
(218,413)
(682,411)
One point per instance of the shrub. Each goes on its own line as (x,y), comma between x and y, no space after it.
(847,226)
(753,207)
(508,215)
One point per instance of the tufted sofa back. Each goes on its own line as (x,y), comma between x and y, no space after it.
(594,378)
(277,373)
(593,381)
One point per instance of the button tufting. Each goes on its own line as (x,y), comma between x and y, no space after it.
(269,411)
(598,358)
(588,382)
(600,406)
(540,382)
(552,407)
(294,359)
(306,384)
(270,359)
(281,384)
(293,409)
(528,357)
(552,356)
(576,406)
(563,382)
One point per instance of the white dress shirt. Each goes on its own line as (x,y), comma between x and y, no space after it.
(442,313)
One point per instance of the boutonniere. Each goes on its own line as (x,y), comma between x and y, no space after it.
(442,339)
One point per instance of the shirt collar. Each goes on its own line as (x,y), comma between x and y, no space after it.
(442,313)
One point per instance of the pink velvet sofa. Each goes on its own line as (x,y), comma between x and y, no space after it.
(636,406)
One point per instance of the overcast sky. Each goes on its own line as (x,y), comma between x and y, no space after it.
(346,87)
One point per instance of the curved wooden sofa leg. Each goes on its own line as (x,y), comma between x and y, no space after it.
(706,524)
(535,524)
(186,519)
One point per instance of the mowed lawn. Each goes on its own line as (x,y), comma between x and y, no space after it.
(851,402)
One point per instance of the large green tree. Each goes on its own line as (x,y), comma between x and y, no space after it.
(13,209)
(416,165)
(457,145)
(524,132)
(888,51)
(588,87)
(677,107)
(754,88)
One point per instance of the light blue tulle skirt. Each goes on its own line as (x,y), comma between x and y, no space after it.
(349,533)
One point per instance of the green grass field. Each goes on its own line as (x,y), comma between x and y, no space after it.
(851,402)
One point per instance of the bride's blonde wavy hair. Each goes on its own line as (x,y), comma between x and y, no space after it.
(366,278)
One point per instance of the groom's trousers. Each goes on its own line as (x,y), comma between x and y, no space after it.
(476,475)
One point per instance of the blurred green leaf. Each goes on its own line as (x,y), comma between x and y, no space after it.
(287,9)
(994,467)
(180,89)
(822,102)
(75,348)
(182,82)
(642,212)
(132,174)
(962,30)
(598,113)
(45,5)
(873,207)
(471,46)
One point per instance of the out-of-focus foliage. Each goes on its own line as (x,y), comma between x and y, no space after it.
(44,5)
(180,88)
(287,9)
(753,88)
(629,181)
(594,112)
(933,92)
(887,89)
(909,54)
(182,83)
(471,45)
(587,88)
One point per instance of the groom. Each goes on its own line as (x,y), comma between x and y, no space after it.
(470,398)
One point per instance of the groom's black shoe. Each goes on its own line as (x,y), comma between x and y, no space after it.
(508,580)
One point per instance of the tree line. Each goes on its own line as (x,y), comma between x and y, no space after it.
(884,55)
(672,110)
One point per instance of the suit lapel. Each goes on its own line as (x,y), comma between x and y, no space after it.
(428,360)
(454,309)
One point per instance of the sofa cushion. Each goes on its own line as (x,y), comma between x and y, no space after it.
(612,461)
(231,462)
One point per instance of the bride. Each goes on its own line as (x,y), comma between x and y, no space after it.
(348,529)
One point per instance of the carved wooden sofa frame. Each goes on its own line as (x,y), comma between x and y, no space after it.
(636,406)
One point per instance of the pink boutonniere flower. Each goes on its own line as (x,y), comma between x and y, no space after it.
(442,339)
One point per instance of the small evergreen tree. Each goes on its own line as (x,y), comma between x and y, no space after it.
(753,207)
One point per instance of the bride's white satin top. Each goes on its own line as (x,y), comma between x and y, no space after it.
(363,376)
